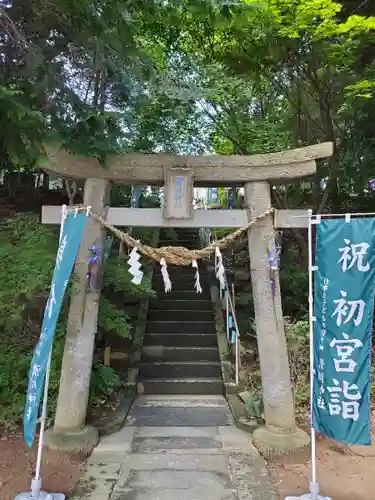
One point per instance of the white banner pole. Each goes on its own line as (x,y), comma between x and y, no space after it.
(314,485)
(36,483)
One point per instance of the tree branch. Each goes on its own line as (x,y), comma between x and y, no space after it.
(71,190)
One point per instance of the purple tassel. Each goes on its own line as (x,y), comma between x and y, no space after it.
(371,184)
(272,260)
(94,259)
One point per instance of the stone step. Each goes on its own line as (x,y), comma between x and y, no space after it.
(179,415)
(180,327)
(162,353)
(173,494)
(166,304)
(182,269)
(179,315)
(182,283)
(176,340)
(182,386)
(180,479)
(180,369)
(184,232)
(185,276)
(189,295)
(119,361)
(178,445)
(187,243)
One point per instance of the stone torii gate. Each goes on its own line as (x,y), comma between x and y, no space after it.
(179,174)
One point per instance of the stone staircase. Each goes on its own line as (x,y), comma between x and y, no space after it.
(180,353)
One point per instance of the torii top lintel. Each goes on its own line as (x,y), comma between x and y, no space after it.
(148,169)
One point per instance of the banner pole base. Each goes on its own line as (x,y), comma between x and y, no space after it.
(313,495)
(308,496)
(43,495)
(37,494)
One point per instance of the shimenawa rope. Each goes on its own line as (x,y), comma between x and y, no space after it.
(179,256)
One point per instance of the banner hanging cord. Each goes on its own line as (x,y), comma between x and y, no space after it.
(179,256)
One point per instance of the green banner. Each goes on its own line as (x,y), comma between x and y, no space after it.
(343,309)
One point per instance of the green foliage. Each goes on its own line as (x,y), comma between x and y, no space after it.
(169,233)
(28,253)
(16,359)
(245,297)
(236,77)
(297,336)
(118,279)
(113,319)
(221,232)
(254,406)
(293,278)
(95,135)
(18,115)
(294,284)
(144,234)
(14,369)
(363,89)
(104,382)
(21,130)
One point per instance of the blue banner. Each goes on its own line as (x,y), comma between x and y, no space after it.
(344,302)
(66,255)
(136,195)
(231,197)
(212,197)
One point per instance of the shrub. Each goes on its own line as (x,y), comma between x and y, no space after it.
(28,254)
(297,336)
(294,285)
(254,406)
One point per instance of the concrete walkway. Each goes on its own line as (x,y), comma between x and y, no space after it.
(177,448)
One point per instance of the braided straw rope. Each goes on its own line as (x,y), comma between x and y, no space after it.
(179,256)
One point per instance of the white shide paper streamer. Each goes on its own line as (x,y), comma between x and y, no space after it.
(197,284)
(135,267)
(220,271)
(164,273)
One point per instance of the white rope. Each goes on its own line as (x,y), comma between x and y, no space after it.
(197,284)
(164,273)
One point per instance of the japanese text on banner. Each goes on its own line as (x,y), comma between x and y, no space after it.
(344,301)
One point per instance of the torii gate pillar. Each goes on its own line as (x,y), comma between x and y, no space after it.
(70,432)
(280,435)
